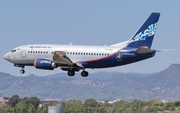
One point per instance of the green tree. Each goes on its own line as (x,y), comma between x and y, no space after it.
(73,106)
(13,100)
(44,107)
(157,104)
(31,109)
(25,101)
(2,105)
(8,109)
(177,103)
(34,101)
(90,103)
(169,106)
(21,108)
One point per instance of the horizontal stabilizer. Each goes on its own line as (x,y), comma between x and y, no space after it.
(164,50)
(143,49)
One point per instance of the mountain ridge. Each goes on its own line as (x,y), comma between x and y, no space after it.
(164,85)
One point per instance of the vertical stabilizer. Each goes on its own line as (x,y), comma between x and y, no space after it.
(144,36)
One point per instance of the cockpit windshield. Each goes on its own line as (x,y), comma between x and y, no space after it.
(13,50)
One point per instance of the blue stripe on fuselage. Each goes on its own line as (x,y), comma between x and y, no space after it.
(121,58)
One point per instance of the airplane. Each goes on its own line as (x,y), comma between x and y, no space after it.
(73,58)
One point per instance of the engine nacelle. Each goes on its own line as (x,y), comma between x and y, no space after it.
(44,64)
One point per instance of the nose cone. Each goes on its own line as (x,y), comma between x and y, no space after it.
(6,57)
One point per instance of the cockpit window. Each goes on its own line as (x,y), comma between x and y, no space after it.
(13,50)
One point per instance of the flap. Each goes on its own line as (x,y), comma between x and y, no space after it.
(60,57)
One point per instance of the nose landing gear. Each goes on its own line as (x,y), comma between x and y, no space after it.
(22,71)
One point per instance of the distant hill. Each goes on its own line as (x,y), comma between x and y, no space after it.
(100,86)
(103,75)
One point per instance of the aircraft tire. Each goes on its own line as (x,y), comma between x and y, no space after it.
(22,71)
(71,73)
(84,73)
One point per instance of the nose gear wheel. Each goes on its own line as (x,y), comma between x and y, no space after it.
(22,71)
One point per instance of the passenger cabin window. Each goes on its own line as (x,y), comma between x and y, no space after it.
(81,53)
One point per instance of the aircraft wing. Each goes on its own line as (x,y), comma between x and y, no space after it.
(59,57)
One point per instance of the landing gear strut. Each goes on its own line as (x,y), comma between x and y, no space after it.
(84,73)
(22,71)
(71,73)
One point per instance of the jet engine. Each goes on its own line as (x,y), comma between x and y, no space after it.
(45,64)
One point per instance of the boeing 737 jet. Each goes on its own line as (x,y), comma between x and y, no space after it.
(72,58)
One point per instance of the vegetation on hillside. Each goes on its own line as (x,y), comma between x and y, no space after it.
(164,85)
(31,105)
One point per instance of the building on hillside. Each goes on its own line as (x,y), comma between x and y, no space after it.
(4,100)
(55,101)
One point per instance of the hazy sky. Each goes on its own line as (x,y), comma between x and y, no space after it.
(93,22)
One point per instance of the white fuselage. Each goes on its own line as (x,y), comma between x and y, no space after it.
(27,54)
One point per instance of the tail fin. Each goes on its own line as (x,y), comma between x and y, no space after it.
(144,36)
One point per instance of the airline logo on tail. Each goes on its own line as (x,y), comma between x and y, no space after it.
(150,31)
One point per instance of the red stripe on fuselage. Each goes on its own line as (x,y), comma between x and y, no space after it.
(102,57)
(24,63)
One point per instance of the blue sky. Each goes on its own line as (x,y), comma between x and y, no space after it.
(81,22)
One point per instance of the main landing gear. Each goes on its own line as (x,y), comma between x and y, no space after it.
(71,73)
(22,71)
(83,73)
